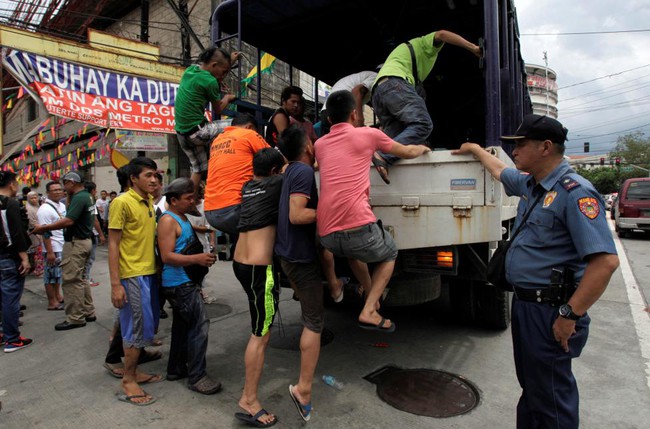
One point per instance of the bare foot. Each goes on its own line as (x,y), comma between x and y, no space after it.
(254,408)
(132,388)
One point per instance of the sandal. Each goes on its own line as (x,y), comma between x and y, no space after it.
(382,168)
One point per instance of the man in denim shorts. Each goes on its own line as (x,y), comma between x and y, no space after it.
(51,211)
(133,274)
(346,224)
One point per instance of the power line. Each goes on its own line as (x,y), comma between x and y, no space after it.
(615,132)
(604,77)
(581,33)
(613,87)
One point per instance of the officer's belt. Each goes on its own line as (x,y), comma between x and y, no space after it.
(551,294)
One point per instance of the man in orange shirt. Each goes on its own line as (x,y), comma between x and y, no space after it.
(230,166)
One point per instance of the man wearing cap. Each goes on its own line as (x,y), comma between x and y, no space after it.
(78,223)
(565,235)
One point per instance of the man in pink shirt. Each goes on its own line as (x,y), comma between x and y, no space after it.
(346,224)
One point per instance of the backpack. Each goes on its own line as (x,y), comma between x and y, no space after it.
(5,234)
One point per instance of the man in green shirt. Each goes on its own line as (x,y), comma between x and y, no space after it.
(396,98)
(78,223)
(200,84)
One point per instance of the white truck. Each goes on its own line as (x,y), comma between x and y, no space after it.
(446,213)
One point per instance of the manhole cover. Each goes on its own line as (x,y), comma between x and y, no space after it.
(214,310)
(425,392)
(288,337)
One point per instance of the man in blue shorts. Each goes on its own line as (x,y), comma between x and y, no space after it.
(132,268)
(51,211)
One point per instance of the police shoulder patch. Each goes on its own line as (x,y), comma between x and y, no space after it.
(589,207)
(568,183)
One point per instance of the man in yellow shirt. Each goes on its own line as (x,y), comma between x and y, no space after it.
(132,268)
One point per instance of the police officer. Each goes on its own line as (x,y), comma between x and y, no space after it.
(566,231)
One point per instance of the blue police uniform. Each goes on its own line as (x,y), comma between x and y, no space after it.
(566,225)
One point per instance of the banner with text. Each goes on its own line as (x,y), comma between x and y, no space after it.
(96,96)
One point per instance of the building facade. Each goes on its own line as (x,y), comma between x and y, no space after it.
(542,87)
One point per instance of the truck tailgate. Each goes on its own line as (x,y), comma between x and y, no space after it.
(442,199)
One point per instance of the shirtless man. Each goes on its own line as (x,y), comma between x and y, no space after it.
(253,267)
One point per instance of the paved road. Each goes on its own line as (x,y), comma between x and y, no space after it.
(59,382)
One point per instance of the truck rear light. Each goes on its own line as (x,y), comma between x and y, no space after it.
(629,211)
(442,260)
(445,259)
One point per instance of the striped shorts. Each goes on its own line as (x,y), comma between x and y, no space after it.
(140,315)
(259,283)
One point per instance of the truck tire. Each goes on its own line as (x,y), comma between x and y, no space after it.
(462,300)
(492,307)
(412,289)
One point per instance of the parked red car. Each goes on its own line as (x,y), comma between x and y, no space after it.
(632,209)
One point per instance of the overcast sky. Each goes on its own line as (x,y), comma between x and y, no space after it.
(612,105)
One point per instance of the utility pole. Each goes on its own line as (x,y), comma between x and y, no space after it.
(144,21)
(546,81)
(186,46)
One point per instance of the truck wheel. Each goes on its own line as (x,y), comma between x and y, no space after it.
(492,307)
(412,289)
(462,301)
(622,233)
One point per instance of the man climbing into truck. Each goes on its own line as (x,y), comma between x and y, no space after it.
(398,96)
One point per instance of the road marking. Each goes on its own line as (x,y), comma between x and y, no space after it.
(638,305)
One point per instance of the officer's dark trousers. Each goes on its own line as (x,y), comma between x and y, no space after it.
(550,393)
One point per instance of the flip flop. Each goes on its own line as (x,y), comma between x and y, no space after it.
(57,308)
(304,410)
(378,327)
(151,378)
(111,367)
(253,420)
(382,168)
(129,399)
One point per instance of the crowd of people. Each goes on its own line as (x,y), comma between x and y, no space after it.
(262,192)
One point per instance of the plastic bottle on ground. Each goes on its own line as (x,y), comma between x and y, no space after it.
(331,381)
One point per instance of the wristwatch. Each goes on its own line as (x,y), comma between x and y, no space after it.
(567,312)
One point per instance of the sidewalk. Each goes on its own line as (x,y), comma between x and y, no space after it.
(59,381)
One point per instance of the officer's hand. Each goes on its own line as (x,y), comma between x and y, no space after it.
(118,296)
(563,329)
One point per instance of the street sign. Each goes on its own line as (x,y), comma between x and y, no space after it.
(626,169)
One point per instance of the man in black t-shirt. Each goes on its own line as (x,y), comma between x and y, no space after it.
(14,263)
(281,119)
(78,223)
(253,267)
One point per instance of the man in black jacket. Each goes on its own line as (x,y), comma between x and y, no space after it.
(14,264)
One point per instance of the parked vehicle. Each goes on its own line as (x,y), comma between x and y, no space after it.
(632,210)
(446,213)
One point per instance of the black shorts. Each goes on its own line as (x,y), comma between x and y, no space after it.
(259,283)
(308,283)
